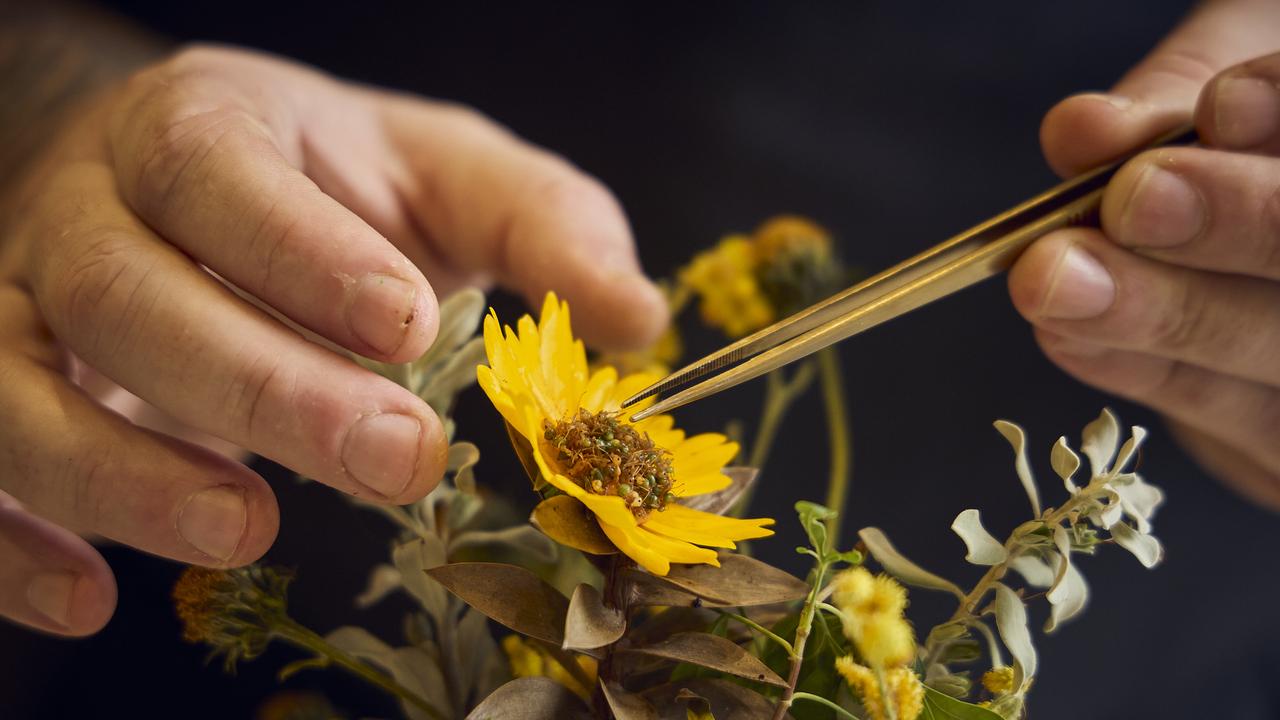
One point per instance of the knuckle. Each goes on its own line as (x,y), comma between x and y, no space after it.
(183,136)
(258,390)
(103,293)
(1268,239)
(87,485)
(1185,64)
(1182,325)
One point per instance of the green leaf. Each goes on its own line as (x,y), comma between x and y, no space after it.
(814,518)
(938,706)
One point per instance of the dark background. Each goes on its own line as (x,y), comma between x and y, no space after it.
(894,124)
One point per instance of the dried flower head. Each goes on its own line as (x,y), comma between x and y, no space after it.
(796,263)
(902,685)
(236,611)
(871,610)
(629,475)
(724,278)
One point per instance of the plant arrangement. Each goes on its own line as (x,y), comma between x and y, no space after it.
(629,592)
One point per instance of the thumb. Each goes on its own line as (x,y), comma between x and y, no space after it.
(1158,94)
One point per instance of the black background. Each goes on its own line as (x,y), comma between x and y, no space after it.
(896,125)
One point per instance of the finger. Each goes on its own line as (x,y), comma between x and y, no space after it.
(1085,131)
(1078,284)
(1199,208)
(81,466)
(1240,108)
(1232,464)
(50,579)
(490,203)
(1244,412)
(199,165)
(151,320)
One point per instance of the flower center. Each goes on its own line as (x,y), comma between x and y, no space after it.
(609,457)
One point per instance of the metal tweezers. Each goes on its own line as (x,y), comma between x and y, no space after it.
(966,259)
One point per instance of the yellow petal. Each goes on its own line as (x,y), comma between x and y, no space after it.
(597,389)
(730,528)
(686,486)
(633,546)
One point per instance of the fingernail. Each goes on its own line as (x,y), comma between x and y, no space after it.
(50,595)
(213,521)
(1081,287)
(382,310)
(381,452)
(1163,210)
(1119,102)
(1246,112)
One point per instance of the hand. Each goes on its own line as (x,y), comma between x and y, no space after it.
(323,203)
(1176,303)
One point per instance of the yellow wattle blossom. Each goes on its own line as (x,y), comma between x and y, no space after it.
(871,612)
(725,279)
(527,660)
(902,685)
(998,681)
(630,475)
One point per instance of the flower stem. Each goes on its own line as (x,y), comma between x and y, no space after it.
(823,701)
(305,638)
(839,437)
(803,628)
(780,393)
(760,629)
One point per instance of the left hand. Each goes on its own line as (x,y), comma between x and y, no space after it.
(1176,302)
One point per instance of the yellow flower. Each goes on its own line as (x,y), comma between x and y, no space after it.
(528,660)
(871,611)
(903,686)
(998,681)
(628,474)
(725,279)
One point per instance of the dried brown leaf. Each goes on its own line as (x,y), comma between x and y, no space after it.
(626,705)
(531,698)
(509,595)
(590,624)
(739,581)
(727,699)
(712,651)
(719,502)
(570,523)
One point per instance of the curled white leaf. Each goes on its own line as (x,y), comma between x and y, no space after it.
(1138,499)
(1065,462)
(410,560)
(984,549)
(1098,442)
(1011,621)
(383,580)
(1067,599)
(1106,514)
(1038,572)
(1018,439)
(900,567)
(1144,547)
(1063,542)
(1129,448)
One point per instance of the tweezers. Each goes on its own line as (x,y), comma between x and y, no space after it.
(974,255)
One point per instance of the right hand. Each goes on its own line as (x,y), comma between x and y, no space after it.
(320,201)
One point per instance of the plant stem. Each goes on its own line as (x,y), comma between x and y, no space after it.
(759,628)
(833,399)
(305,638)
(780,392)
(823,701)
(803,627)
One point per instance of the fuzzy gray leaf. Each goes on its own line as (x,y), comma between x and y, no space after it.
(1011,621)
(1018,440)
(1065,462)
(983,548)
(1098,442)
(1144,547)
(900,567)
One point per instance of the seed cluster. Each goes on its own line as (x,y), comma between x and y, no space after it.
(609,457)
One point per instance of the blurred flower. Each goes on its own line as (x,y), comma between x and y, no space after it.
(724,278)
(656,359)
(629,475)
(529,660)
(871,611)
(901,685)
(236,611)
(796,265)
